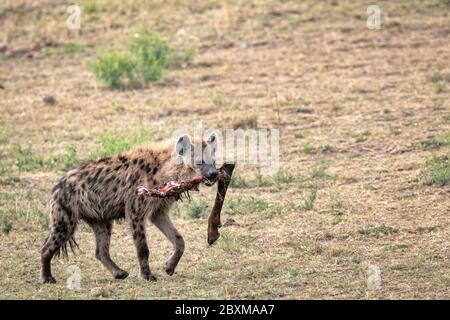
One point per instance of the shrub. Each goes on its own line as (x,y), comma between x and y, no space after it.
(150,54)
(112,68)
(146,60)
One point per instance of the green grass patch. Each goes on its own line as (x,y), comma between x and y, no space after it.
(319,172)
(282,177)
(197,209)
(112,143)
(29,160)
(437,171)
(378,231)
(443,140)
(245,205)
(68,49)
(3,138)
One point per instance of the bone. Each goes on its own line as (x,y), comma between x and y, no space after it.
(175,189)
(225,173)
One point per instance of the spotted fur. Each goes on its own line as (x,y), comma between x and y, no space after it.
(105,190)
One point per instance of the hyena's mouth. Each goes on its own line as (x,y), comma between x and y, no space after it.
(209,183)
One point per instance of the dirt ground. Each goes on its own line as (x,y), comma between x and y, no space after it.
(360,112)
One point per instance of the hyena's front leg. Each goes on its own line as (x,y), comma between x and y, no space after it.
(102,230)
(162,221)
(138,228)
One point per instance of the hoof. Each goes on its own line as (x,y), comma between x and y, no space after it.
(169,271)
(48,279)
(121,274)
(149,277)
(212,240)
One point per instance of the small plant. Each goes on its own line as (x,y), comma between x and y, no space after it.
(197,209)
(6,227)
(361,136)
(308,203)
(90,8)
(218,99)
(320,172)
(182,58)
(237,181)
(260,181)
(308,149)
(337,205)
(327,148)
(437,171)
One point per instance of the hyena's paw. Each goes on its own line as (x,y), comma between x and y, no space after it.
(148,276)
(121,274)
(48,279)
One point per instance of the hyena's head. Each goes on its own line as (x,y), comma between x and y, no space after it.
(199,156)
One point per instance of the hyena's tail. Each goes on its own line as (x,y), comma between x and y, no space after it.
(63,221)
(63,226)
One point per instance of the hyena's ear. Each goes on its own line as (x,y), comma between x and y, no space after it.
(212,141)
(184,145)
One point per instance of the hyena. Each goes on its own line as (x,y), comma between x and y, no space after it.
(105,190)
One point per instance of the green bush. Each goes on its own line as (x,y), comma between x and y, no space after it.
(146,60)
(113,68)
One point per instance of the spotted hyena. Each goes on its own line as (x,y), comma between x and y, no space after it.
(105,190)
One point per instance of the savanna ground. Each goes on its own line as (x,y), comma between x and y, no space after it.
(365,134)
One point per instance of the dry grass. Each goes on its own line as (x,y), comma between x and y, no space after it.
(354,106)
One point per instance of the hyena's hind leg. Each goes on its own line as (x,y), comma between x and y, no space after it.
(102,230)
(162,221)
(63,225)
